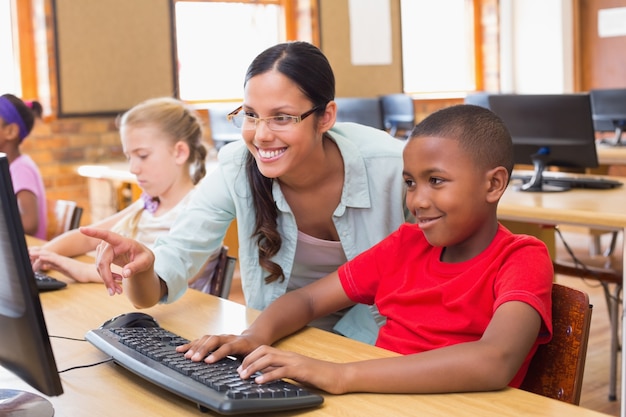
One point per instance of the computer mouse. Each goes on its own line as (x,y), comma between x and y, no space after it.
(133,319)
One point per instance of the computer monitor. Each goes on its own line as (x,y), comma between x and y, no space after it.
(24,343)
(608,107)
(548,130)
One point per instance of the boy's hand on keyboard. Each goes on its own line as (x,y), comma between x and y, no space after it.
(276,364)
(218,347)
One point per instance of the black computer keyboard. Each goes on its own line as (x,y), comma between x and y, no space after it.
(572,180)
(150,353)
(48,283)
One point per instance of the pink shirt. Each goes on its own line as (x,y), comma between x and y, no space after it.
(430,304)
(26,177)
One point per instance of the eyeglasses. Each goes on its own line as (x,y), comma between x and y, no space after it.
(275,123)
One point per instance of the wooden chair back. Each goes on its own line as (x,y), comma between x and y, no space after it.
(63,215)
(556,370)
(217,275)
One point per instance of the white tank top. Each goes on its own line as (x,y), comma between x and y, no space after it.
(316,258)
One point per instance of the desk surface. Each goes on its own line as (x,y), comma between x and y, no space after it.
(108,389)
(611,155)
(593,208)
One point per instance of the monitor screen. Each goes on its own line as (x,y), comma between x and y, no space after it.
(608,107)
(548,130)
(24,345)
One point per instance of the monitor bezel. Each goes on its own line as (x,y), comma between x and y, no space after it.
(27,353)
(608,107)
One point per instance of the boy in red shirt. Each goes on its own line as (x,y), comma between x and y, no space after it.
(466,301)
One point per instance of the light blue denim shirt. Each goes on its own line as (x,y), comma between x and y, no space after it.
(371,207)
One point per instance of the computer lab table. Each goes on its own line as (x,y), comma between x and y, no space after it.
(110,390)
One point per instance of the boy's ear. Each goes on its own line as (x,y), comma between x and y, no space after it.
(498,181)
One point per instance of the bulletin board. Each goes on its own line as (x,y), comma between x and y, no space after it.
(358,80)
(112,54)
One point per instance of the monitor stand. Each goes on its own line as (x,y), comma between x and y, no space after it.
(14,403)
(536,181)
(617,140)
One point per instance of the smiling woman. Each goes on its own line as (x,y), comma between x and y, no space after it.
(307,193)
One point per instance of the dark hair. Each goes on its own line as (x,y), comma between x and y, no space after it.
(479,131)
(309,69)
(35,107)
(26,114)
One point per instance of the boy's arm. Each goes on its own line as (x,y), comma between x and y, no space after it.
(487,364)
(288,314)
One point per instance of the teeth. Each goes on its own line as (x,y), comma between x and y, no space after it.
(270,154)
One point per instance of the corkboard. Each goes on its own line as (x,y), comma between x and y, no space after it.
(358,80)
(112,54)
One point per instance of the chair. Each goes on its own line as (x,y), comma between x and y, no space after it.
(478,98)
(217,274)
(222,131)
(606,268)
(398,114)
(556,370)
(63,215)
(364,110)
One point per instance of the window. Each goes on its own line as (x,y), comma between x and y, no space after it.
(9,70)
(217,41)
(437,46)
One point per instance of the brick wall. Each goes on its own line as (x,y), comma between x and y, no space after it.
(59,147)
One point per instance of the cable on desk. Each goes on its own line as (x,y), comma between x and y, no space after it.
(87,366)
(68,338)
(79,366)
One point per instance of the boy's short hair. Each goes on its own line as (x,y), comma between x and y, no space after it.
(479,131)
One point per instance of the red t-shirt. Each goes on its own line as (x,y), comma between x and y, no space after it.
(430,304)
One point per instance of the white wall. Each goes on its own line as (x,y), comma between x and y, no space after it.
(536,46)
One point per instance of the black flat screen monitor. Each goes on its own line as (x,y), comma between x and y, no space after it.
(24,343)
(608,107)
(548,130)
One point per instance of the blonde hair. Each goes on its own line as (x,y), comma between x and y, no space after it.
(178,121)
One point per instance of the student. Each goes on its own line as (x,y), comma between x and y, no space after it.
(16,123)
(466,301)
(307,194)
(162,139)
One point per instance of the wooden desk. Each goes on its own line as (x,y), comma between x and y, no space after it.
(596,209)
(611,155)
(109,390)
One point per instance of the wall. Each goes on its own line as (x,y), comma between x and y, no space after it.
(358,80)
